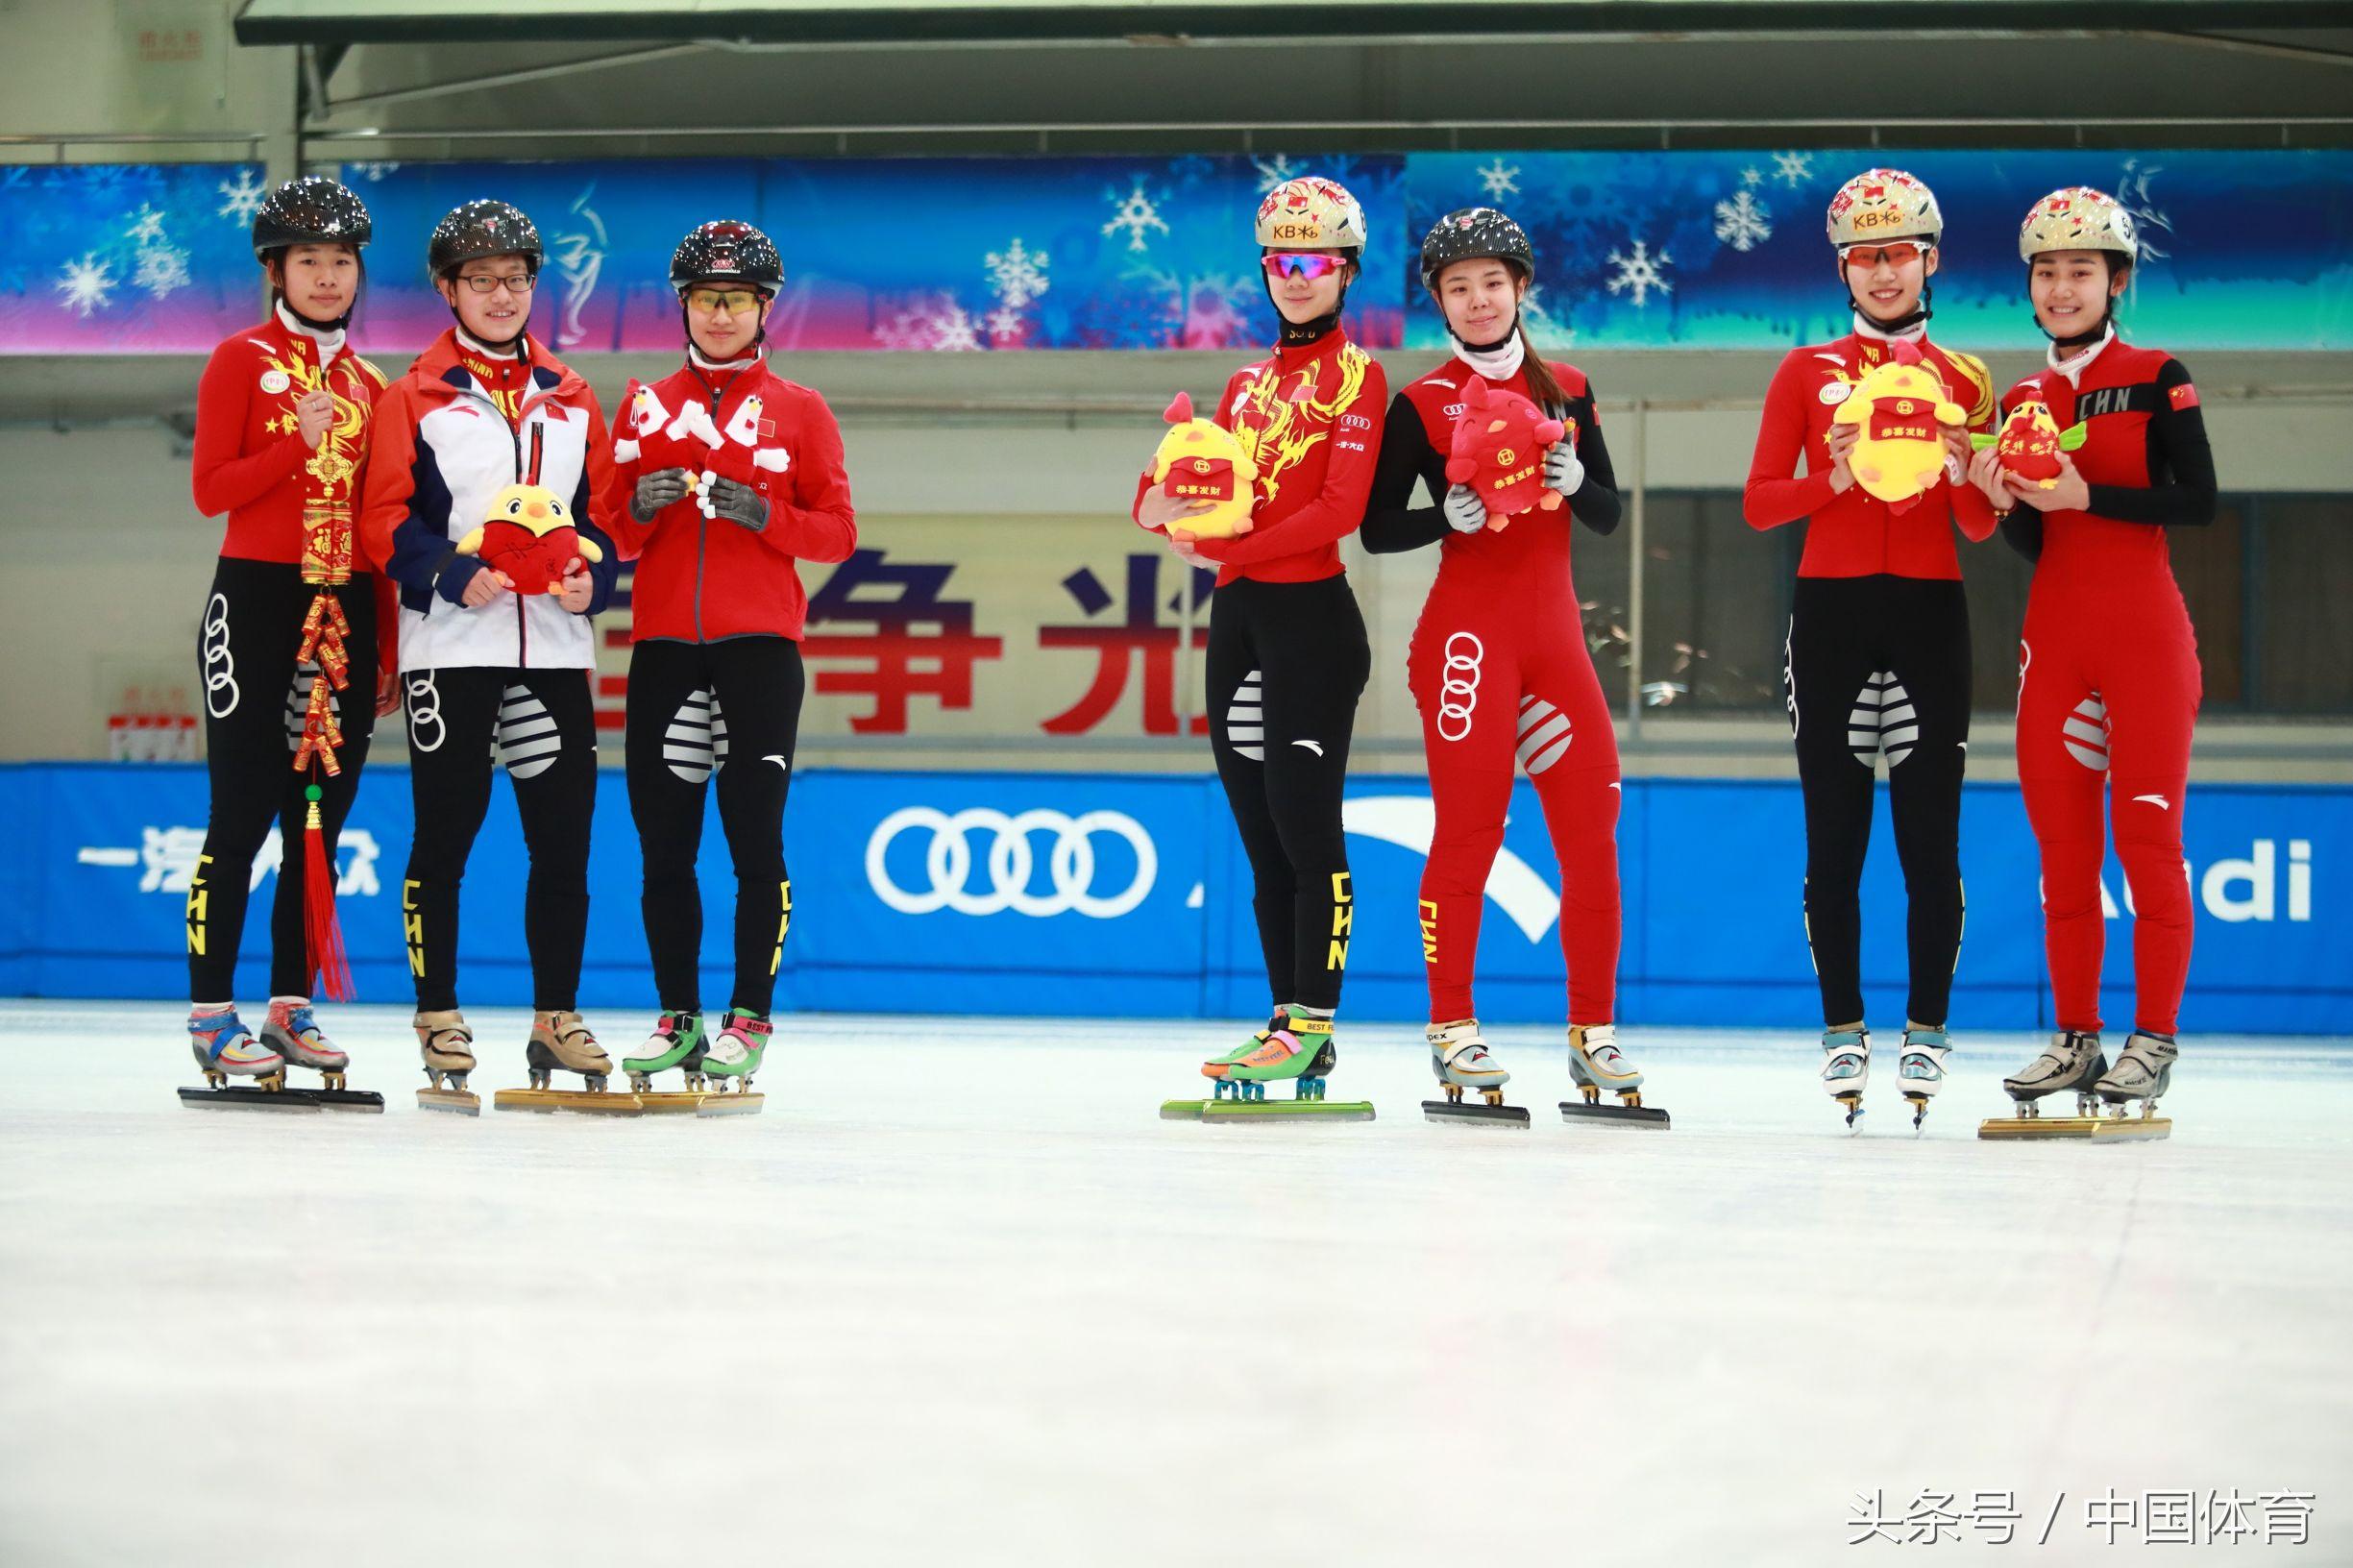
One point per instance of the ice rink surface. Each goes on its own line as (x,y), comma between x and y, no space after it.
(959,1296)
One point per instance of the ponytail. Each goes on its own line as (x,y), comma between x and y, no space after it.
(1542,386)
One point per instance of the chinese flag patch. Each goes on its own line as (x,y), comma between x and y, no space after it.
(2184,396)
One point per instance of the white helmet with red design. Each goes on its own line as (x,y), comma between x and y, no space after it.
(1883,205)
(1310,213)
(2078,218)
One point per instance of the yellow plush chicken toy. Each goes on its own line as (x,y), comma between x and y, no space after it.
(1900,450)
(1199,460)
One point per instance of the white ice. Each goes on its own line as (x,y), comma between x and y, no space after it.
(960,1297)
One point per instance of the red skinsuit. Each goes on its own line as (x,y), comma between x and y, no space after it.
(1499,669)
(2108,679)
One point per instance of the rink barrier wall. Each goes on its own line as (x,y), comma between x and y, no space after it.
(1128,895)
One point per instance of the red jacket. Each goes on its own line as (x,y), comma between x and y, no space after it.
(1854,534)
(1310,417)
(700,579)
(250,451)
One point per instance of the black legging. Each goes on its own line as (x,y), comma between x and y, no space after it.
(255,698)
(1880,665)
(1287,663)
(546,729)
(733,708)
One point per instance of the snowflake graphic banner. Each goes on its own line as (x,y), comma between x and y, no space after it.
(124,259)
(1726,250)
(937,255)
(1703,250)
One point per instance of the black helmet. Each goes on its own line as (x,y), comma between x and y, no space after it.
(726,250)
(1474,232)
(473,229)
(312,211)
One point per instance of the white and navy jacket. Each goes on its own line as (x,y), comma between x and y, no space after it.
(459,428)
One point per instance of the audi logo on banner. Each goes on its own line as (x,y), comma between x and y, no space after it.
(948,861)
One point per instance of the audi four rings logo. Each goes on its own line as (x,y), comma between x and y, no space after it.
(425,730)
(1459,694)
(1070,864)
(220,665)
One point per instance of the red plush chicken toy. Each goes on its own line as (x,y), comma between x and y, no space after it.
(1500,443)
(530,540)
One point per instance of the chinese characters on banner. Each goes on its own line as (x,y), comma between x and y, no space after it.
(1069,628)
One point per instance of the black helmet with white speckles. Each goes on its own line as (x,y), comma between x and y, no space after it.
(473,229)
(312,211)
(1474,231)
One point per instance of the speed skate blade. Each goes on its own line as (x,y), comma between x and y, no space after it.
(457,1102)
(1618,1116)
(247,1097)
(2083,1128)
(682,1102)
(588,1101)
(731,1105)
(1265,1110)
(1284,1110)
(1475,1114)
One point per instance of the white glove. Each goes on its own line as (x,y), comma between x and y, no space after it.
(1465,512)
(1562,470)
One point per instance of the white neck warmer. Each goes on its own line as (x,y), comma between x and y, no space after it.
(1865,327)
(2075,364)
(485,349)
(330,341)
(743,361)
(1498,364)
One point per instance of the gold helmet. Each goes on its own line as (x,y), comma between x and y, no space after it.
(1310,215)
(1883,205)
(2078,218)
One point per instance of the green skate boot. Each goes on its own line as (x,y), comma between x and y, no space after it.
(678,1041)
(736,1051)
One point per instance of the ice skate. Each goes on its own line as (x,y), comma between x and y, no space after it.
(735,1055)
(678,1042)
(1220,1066)
(1845,1067)
(1597,1063)
(2073,1064)
(1919,1070)
(1460,1059)
(447,1047)
(294,1033)
(561,1042)
(2143,1071)
(1296,1048)
(225,1048)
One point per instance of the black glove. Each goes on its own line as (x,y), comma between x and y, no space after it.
(738,503)
(655,491)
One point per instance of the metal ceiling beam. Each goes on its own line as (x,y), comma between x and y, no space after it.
(262,22)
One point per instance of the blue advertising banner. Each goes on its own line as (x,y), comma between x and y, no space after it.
(1123,894)
(1709,250)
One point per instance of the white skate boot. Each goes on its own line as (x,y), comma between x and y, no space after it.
(2143,1071)
(1460,1059)
(1920,1071)
(2071,1065)
(1845,1067)
(1597,1063)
